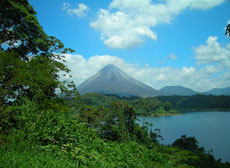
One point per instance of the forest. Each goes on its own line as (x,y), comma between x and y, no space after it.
(198,102)
(40,128)
(161,105)
(142,106)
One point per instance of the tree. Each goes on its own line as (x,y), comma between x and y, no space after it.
(167,106)
(227,33)
(130,117)
(30,60)
(20,30)
(187,143)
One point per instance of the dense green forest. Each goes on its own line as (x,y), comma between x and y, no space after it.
(142,106)
(198,102)
(162,105)
(38,128)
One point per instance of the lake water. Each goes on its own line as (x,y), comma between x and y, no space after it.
(211,129)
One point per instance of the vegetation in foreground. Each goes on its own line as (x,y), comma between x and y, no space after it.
(40,129)
(48,138)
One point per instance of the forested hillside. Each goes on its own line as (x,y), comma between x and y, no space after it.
(142,106)
(38,128)
(198,102)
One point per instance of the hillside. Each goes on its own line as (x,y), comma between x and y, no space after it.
(198,102)
(218,91)
(177,90)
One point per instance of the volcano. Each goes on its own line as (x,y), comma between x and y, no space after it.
(112,80)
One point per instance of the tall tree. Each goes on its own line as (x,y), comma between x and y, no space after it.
(30,60)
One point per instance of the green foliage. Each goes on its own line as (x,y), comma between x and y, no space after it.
(19,28)
(142,106)
(146,106)
(197,102)
(187,143)
(200,158)
(92,116)
(167,106)
(40,129)
(20,31)
(58,134)
(97,100)
(30,60)
(27,154)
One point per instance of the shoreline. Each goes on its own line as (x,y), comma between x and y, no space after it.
(204,110)
(179,113)
(161,115)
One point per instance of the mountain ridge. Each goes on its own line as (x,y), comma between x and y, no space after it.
(112,80)
(184,91)
(218,91)
(177,90)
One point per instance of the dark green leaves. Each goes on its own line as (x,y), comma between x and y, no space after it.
(30,60)
(227,33)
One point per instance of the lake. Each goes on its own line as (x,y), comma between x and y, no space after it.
(211,129)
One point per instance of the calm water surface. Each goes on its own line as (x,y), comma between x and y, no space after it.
(211,129)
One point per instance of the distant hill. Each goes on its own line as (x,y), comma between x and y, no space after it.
(177,90)
(183,91)
(218,91)
(112,80)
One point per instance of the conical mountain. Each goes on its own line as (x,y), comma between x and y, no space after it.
(112,80)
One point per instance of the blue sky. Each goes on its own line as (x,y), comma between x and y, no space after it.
(172,42)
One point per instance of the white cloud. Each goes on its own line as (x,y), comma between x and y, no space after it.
(188,71)
(210,69)
(197,4)
(213,52)
(199,79)
(228,22)
(227,76)
(82,69)
(81,11)
(127,23)
(172,56)
(118,30)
